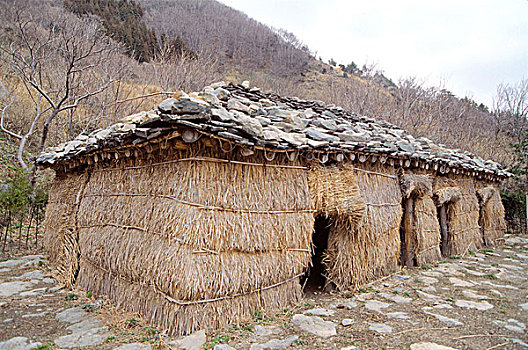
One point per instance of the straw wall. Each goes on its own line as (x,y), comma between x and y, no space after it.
(492,219)
(61,233)
(462,213)
(365,245)
(425,230)
(193,242)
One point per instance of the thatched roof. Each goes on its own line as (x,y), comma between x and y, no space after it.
(254,119)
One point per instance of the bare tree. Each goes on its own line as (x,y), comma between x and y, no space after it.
(510,108)
(58,61)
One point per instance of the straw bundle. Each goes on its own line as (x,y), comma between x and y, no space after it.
(360,251)
(491,215)
(335,193)
(446,195)
(416,185)
(462,215)
(423,240)
(61,233)
(190,240)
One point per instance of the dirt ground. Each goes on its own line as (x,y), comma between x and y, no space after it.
(475,302)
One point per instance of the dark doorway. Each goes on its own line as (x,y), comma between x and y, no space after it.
(314,279)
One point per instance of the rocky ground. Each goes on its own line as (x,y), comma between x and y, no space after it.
(476,302)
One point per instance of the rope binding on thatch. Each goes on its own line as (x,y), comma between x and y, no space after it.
(179,241)
(201,206)
(193,302)
(206,159)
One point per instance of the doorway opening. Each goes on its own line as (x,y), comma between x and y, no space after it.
(314,279)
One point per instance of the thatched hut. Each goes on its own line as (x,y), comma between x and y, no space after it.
(223,201)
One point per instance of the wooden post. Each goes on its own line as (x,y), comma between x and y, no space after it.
(408,231)
(443,228)
(526,201)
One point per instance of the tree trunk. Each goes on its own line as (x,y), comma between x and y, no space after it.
(43,139)
(37,228)
(6,230)
(526,202)
(442,213)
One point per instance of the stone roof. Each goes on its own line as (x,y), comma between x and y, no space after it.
(250,117)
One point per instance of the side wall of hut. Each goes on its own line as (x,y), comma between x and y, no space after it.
(61,227)
(492,219)
(192,239)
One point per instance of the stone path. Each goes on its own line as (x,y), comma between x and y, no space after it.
(29,299)
(476,302)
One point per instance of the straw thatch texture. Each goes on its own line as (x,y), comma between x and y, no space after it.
(492,219)
(425,229)
(61,232)
(360,251)
(193,242)
(446,195)
(462,213)
(335,192)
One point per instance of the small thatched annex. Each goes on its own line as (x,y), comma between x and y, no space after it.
(231,199)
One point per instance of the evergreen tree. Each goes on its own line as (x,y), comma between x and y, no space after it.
(122,21)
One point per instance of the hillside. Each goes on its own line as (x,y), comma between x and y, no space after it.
(229,45)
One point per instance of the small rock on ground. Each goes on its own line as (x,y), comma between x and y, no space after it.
(319,312)
(35,274)
(72,315)
(398,299)
(512,325)
(473,295)
(223,347)
(457,282)
(427,296)
(469,304)
(347,322)
(380,328)
(275,344)
(398,315)
(85,333)
(8,289)
(428,280)
(315,325)
(375,305)
(430,346)
(18,343)
(194,341)
(134,346)
(267,330)
(12,263)
(443,319)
